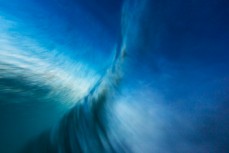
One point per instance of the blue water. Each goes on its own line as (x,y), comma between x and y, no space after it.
(97,76)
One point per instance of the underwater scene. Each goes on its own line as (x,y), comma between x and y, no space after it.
(114,76)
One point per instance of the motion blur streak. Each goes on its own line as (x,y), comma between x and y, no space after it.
(117,76)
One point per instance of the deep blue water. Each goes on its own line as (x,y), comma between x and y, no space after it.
(99,76)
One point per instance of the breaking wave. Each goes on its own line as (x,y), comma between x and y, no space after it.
(96,76)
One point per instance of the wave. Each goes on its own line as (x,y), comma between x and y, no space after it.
(34,75)
(136,76)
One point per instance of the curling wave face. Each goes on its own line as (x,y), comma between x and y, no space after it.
(40,78)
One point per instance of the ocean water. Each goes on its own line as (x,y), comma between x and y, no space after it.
(117,76)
